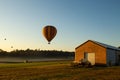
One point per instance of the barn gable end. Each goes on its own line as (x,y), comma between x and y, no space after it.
(91,47)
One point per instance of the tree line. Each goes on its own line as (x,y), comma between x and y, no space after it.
(36,53)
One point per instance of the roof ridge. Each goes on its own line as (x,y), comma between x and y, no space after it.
(106,45)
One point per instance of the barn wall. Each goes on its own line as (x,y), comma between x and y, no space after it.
(91,47)
(118,57)
(111,57)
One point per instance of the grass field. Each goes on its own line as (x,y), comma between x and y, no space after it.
(56,70)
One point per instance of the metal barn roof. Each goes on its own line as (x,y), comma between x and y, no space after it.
(106,45)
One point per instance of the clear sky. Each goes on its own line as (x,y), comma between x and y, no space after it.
(21,23)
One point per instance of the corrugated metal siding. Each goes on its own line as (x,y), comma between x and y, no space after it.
(118,57)
(111,57)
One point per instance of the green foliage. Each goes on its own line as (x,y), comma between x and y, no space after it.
(37,53)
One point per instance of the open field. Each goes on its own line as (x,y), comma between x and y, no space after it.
(56,70)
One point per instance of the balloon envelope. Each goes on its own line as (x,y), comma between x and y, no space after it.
(49,32)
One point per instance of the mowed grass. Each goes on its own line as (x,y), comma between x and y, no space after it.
(56,70)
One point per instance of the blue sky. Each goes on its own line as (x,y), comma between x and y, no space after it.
(21,23)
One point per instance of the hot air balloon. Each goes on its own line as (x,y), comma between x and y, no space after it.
(49,32)
(11,46)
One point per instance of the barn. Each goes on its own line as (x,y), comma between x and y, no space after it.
(97,53)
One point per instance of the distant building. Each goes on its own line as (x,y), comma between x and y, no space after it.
(97,53)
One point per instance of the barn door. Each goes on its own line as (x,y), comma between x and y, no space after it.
(90,57)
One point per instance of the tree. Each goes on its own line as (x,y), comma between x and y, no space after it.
(1,50)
